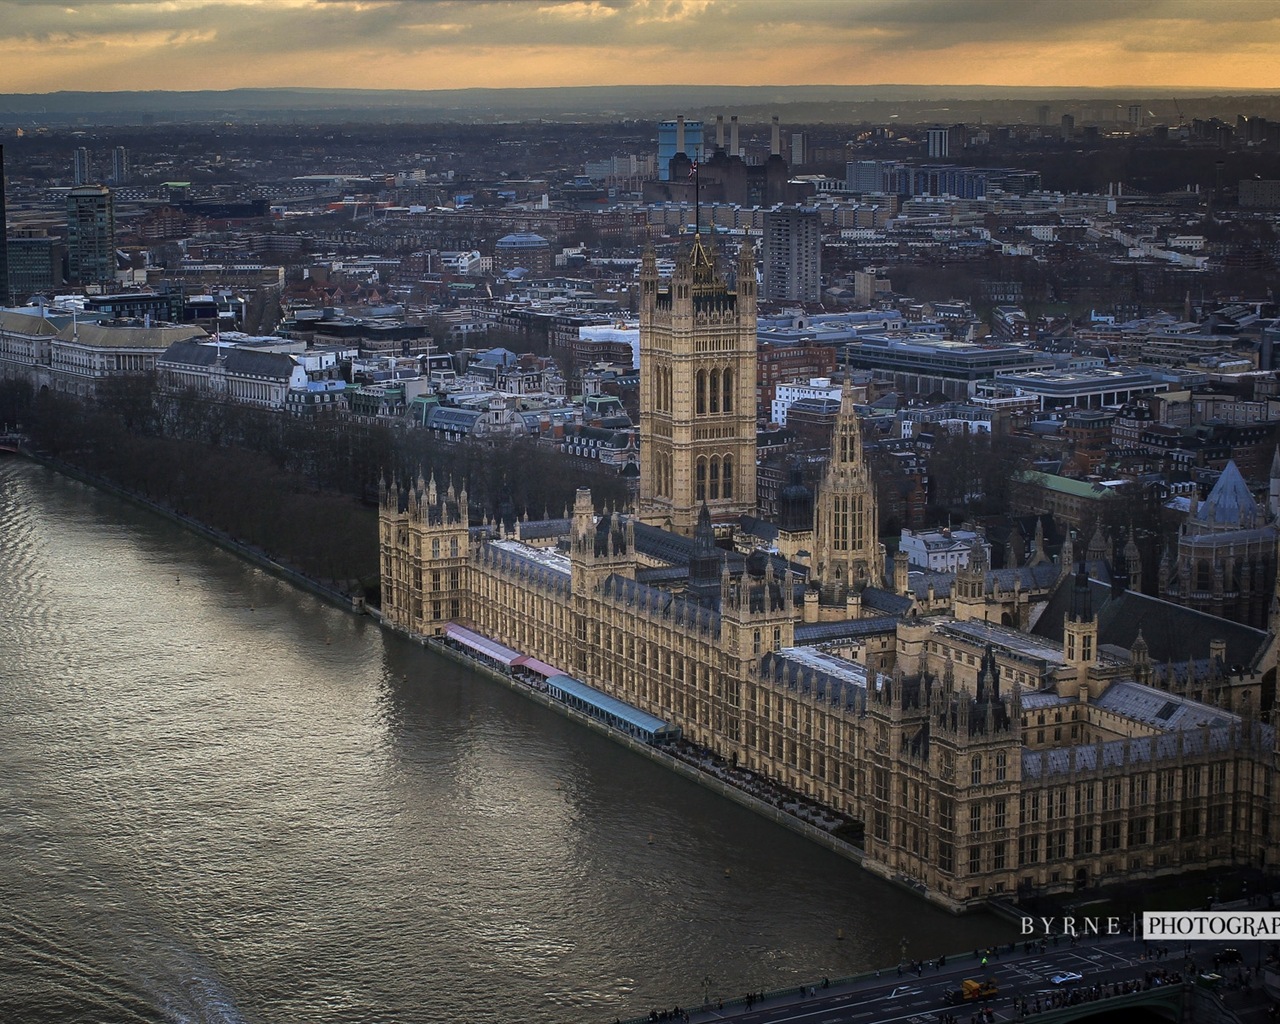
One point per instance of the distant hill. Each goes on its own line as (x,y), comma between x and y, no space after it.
(806,103)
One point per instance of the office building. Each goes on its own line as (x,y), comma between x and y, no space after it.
(91,234)
(939,143)
(33,267)
(81,171)
(119,166)
(792,255)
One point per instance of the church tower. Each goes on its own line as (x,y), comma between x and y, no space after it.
(846,535)
(697,391)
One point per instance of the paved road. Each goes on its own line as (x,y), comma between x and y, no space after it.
(921,999)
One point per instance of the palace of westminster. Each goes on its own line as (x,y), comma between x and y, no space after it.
(1026,730)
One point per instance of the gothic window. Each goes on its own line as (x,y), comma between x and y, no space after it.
(453,547)
(714,388)
(840,523)
(1001,766)
(435,547)
(715,477)
(726,477)
(700,492)
(975,770)
(727,403)
(701,392)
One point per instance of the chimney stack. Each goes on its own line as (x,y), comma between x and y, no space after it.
(775,140)
(733,136)
(680,133)
(719,131)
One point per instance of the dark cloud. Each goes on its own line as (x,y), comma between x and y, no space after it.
(632,40)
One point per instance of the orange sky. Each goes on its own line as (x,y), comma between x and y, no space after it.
(108,45)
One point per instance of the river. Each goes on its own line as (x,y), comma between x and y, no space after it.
(224,800)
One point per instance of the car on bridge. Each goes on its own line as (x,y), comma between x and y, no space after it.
(1065,978)
(971,991)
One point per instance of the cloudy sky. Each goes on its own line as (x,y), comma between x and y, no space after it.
(49,45)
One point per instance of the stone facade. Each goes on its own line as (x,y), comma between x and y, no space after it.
(697,391)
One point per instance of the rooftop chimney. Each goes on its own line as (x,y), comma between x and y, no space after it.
(733,136)
(719,131)
(680,134)
(775,140)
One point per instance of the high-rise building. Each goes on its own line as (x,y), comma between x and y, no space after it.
(4,240)
(939,140)
(1068,127)
(91,236)
(792,255)
(697,391)
(678,136)
(81,170)
(32,269)
(119,166)
(799,149)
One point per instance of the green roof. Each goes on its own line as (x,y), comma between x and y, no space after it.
(1066,485)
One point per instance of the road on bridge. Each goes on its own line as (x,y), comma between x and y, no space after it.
(922,999)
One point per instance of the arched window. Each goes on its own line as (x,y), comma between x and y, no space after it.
(700,491)
(975,770)
(715,477)
(715,391)
(726,477)
(727,402)
(701,388)
(453,547)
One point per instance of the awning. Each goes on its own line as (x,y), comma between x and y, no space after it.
(481,644)
(541,667)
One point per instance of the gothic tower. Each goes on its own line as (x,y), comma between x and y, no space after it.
(846,536)
(697,391)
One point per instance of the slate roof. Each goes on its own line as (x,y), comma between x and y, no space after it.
(635,593)
(237,362)
(1160,709)
(25,323)
(835,680)
(105,336)
(1172,632)
(1032,578)
(1230,504)
(810,633)
(1038,764)
(675,549)
(886,601)
(512,559)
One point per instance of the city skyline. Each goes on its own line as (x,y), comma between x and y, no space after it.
(98,45)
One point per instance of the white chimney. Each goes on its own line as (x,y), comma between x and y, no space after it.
(733,136)
(680,134)
(719,131)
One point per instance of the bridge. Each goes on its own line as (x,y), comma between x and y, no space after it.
(1114,977)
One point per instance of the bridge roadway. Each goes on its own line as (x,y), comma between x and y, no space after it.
(887,998)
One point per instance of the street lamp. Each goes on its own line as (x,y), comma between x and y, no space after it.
(706,990)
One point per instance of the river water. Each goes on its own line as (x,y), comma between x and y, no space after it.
(223,800)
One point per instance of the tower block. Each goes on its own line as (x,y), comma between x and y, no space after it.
(697,391)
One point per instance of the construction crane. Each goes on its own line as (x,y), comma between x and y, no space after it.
(1178,109)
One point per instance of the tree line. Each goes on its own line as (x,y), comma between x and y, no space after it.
(302,491)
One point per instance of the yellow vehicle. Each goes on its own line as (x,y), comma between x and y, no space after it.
(971,991)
